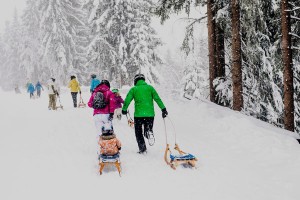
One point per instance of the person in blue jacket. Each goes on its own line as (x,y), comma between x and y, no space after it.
(38,88)
(30,89)
(94,82)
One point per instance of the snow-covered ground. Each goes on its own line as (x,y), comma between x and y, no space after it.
(53,155)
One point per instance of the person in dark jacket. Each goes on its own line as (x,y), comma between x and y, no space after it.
(143,96)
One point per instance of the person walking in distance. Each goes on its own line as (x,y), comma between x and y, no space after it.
(143,96)
(38,88)
(31,90)
(94,82)
(74,87)
(52,92)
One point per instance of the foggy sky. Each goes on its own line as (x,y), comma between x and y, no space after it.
(7,8)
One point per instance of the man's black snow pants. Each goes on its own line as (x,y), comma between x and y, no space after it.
(139,124)
(74,97)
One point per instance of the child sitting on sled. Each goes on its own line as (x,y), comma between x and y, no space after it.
(109,144)
(109,149)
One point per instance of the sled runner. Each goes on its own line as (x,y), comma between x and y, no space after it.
(59,106)
(187,96)
(81,103)
(181,158)
(105,160)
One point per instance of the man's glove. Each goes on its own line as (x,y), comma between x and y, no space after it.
(80,92)
(164,112)
(124,112)
(111,116)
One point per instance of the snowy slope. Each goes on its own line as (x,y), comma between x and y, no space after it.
(53,155)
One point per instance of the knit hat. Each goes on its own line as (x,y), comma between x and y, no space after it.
(105,82)
(115,90)
(138,77)
(72,77)
(93,76)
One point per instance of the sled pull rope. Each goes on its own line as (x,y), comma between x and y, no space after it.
(129,116)
(173,129)
(166,132)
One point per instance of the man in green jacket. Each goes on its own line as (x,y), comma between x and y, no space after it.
(143,95)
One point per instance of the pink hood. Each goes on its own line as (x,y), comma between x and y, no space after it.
(109,97)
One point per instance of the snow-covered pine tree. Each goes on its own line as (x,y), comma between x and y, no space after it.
(194,50)
(295,34)
(141,44)
(217,22)
(3,58)
(123,42)
(31,42)
(105,30)
(59,22)
(196,65)
(12,74)
(81,34)
(261,65)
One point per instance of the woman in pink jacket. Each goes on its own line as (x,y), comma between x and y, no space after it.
(103,103)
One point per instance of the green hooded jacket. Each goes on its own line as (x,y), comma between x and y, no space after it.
(143,95)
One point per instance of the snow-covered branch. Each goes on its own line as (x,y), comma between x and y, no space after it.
(294,17)
(297,48)
(295,35)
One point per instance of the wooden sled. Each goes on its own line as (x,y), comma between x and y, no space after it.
(130,121)
(81,103)
(109,160)
(182,159)
(59,107)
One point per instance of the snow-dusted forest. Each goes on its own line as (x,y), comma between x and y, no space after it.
(244,55)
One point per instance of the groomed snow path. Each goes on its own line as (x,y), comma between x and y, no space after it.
(52,155)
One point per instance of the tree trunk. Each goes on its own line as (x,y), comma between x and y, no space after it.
(220,51)
(288,97)
(236,57)
(220,46)
(211,47)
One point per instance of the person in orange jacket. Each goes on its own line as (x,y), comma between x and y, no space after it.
(109,144)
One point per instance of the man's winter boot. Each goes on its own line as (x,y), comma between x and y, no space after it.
(142,152)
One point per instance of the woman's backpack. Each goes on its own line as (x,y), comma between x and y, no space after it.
(99,101)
